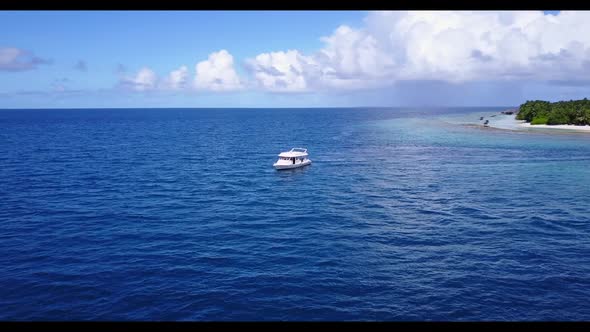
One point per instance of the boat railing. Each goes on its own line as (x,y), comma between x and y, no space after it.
(298,150)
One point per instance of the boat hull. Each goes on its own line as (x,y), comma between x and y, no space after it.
(291,166)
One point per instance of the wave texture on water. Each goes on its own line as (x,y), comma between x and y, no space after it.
(177,214)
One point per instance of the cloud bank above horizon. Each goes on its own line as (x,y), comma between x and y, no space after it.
(388,48)
(455,47)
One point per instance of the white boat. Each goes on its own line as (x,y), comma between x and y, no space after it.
(297,157)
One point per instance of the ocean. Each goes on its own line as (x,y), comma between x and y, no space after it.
(406,214)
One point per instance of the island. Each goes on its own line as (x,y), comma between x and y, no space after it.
(539,112)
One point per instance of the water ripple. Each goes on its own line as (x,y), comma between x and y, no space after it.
(177,214)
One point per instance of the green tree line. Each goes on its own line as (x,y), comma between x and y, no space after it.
(573,112)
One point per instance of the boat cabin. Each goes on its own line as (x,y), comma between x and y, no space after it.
(294,158)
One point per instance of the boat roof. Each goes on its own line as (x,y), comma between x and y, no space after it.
(295,152)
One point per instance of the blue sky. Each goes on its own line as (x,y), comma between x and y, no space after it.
(58,59)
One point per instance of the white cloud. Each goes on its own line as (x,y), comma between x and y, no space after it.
(281,71)
(217,73)
(351,57)
(177,79)
(15,59)
(435,45)
(400,46)
(144,80)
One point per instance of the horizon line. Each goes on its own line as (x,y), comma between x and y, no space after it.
(315,107)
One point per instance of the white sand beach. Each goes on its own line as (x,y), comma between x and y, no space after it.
(566,127)
(509,122)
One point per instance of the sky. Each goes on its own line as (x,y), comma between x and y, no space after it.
(98,59)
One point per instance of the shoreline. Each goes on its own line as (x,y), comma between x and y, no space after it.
(562,127)
(513,124)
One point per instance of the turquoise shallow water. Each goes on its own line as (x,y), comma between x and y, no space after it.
(177,214)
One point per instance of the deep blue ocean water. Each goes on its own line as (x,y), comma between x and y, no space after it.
(177,214)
